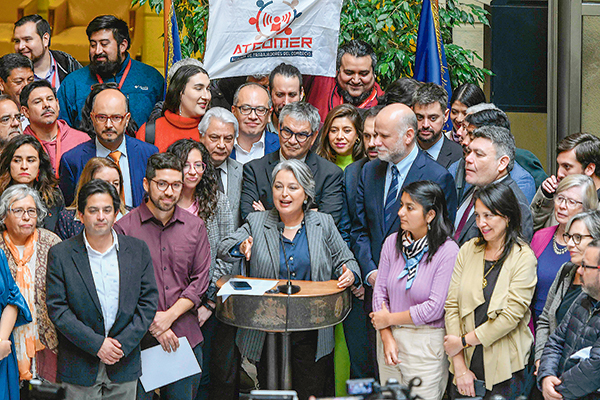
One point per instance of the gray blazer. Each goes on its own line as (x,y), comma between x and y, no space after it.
(235,172)
(546,324)
(328,252)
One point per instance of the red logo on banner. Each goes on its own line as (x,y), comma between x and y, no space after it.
(274,17)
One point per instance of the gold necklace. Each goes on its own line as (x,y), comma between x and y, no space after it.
(484,283)
(555,246)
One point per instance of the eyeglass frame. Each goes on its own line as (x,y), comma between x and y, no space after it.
(292,133)
(18,117)
(567,237)
(95,118)
(255,109)
(562,199)
(22,211)
(188,166)
(589,266)
(158,183)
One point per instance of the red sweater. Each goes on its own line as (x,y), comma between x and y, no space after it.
(170,128)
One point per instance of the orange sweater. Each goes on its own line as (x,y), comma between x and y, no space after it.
(170,128)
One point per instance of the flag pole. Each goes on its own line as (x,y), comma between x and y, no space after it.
(166,14)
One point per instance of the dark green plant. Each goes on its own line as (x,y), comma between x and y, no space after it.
(395,24)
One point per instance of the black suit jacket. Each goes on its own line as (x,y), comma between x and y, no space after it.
(368,230)
(257,184)
(351,177)
(450,152)
(470,230)
(74,308)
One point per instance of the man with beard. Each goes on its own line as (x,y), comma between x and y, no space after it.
(399,163)
(430,106)
(285,85)
(178,243)
(10,120)
(570,362)
(16,71)
(354,82)
(110,62)
(40,106)
(110,116)
(31,36)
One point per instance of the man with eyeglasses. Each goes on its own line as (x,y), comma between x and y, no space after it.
(178,243)
(40,105)
(252,107)
(16,71)
(298,128)
(571,359)
(110,116)
(10,120)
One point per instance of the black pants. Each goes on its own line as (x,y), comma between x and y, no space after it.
(309,377)
(225,363)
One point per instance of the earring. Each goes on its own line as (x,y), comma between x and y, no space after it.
(305,201)
(428,227)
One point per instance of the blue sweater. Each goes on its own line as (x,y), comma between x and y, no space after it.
(143,87)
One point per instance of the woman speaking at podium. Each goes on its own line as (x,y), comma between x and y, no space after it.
(315,251)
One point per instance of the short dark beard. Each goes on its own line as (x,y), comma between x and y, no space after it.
(106,69)
(355,101)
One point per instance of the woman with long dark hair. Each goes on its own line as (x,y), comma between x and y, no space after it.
(341,136)
(186,102)
(24,161)
(487,310)
(412,283)
(463,97)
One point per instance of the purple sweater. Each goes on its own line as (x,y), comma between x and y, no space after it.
(426,298)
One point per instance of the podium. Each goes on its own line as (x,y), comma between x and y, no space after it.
(318,305)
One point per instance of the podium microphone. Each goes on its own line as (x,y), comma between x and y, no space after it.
(288,288)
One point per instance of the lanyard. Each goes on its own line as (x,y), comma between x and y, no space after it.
(54,74)
(122,81)
(58,145)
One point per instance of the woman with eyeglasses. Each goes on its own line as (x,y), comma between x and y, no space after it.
(463,97)
(575,194)
(201,196)
(26,246)
(487,310)
(97,168)
(186,102)
(341,136)
(24,161)
(566,287)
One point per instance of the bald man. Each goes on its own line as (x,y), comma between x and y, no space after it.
(399,163)
(110,116)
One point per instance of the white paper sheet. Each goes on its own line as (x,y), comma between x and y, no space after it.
(160,368)
(259,287)
(582,354)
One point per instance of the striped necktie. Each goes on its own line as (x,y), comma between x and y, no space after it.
(390,200)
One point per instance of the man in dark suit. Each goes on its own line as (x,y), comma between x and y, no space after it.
(491,157)
(299,124)
(430,107)
(110,116)
(252,107)
(377,200)
(102,298)
(218,130)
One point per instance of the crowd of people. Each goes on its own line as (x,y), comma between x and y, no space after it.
(469,267)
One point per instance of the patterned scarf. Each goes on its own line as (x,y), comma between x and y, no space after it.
(27,341)
(413,252)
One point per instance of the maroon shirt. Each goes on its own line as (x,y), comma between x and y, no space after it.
(181,258)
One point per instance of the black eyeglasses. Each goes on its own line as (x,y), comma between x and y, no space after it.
(103,118)
(247,110)
(590,266)
(576,237)
(287,134)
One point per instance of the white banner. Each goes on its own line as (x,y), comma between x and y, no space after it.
(247,37)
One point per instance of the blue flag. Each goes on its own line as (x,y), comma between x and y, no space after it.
(430,57)
(172,43)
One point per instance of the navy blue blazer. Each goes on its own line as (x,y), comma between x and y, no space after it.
(351,177)
(74,308)
(73,161)
(368,229)
(271,143)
